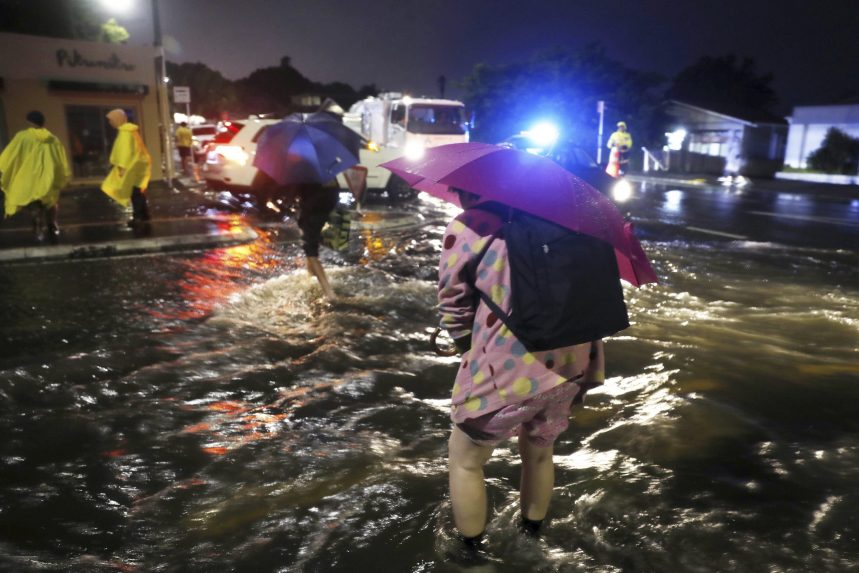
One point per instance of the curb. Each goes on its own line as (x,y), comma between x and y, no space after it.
(135,246)
(671,181)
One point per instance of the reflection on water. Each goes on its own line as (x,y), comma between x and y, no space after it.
(212,413)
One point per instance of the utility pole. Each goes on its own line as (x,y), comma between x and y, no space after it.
(601,111)
(162,99)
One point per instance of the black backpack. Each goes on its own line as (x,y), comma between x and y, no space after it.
(565,286)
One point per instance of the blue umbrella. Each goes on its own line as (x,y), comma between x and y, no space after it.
(307,148)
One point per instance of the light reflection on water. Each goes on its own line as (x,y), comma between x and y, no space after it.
(265,430)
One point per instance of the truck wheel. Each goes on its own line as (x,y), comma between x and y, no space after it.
(399,190)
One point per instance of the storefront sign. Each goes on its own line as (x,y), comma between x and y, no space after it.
(74,59)
(181,94)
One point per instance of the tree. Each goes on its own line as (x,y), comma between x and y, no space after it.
(839,153)
(563,86)
(271,89)
(724,83)
(274,89)
(113,33)
(211,93)
(76,19)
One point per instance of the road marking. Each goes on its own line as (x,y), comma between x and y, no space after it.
(812,218)
(718,233)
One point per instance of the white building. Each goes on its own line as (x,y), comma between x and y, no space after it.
(751,143)
(75,83)
(808,127)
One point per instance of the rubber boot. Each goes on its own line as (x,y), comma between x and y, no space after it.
(140,208)
(53,227)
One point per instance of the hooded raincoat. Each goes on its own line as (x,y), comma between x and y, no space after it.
(131,165)
(497,371)
(33,167)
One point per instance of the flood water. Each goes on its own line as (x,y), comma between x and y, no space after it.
(206,412)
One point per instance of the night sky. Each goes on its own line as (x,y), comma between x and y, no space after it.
(811,46)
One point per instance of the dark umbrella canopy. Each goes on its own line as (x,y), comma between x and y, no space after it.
(307,148)
(530,183)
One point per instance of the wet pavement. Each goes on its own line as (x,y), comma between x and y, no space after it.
(207,411)
(92,225)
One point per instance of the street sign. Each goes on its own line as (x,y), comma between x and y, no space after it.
(181,94)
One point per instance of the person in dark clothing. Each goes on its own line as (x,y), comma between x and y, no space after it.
(315,204)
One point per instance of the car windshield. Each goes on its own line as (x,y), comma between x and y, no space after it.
(437,119)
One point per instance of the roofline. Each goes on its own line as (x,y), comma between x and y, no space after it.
(743,121)
(704,109)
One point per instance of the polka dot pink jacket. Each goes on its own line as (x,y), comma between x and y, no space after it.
(497,371)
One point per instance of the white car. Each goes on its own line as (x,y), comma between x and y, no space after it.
(202,136)
(230,158)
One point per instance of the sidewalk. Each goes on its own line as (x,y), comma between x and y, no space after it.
(93,225)
(762,185)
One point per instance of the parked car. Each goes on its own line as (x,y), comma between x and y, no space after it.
(579,162)
(229,159)
(203,135)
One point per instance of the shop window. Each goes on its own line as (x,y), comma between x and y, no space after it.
(91,138)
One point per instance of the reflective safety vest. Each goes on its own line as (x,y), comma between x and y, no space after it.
(620,139)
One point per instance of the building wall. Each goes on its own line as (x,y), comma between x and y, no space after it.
(763,150)
(809,125)
(716,143)
(57,76)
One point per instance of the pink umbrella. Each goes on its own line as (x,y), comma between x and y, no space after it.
(530,183)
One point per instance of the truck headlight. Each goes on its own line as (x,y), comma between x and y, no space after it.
(621,191)
(414,150)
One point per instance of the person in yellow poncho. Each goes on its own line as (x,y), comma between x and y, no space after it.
(129,177)
(621,141)
(33,169)
(185,145)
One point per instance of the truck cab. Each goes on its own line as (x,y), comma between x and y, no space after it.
(403,125)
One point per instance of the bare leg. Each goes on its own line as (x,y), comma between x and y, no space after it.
(538,479)
(314,267)
(467,488)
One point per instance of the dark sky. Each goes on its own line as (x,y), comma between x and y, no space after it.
(811,46)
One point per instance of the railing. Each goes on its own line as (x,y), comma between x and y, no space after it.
(652,163)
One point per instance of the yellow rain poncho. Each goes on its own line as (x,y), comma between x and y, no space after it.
(33,167)
(131,165)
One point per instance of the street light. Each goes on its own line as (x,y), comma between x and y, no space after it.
(118,6)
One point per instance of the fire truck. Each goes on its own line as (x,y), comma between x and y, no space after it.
(396,125)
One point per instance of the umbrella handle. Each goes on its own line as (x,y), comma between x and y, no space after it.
(450,351)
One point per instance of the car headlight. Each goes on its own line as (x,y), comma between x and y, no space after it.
(414,150)
(621,191)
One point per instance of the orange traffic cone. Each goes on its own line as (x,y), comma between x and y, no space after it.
(613,167)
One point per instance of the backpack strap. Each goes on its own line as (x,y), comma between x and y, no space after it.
(506,213)
(496,310)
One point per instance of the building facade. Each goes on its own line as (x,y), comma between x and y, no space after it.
(808,127)
(716,142)
(75,83)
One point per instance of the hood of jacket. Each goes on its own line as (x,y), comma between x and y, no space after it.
(41,134)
